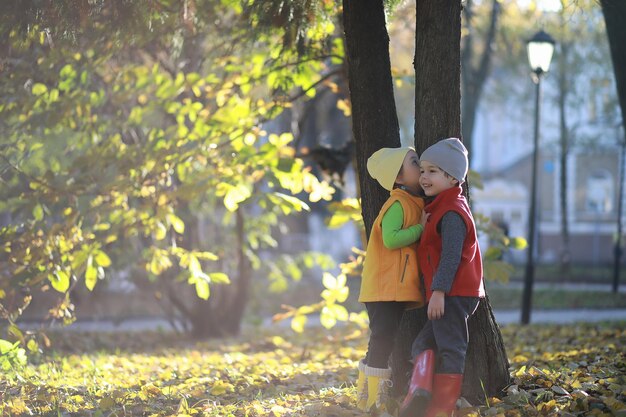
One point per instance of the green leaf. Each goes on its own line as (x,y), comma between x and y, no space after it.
(32,346)
(518,243)
(329,281)
(338,295)
(298,323)
(6,346)
(219,278)
(331,314)
(91,274)
(39,89)
(280,140)
(194,264)
(493,253)
(341,313)
(38,212)
(201,282)
(161,231)
(294,202)
(327,318)
(176,222)
(337,49)
(337,220)
(497,270)
(60,281)
(236,195)
(207,256)
(202,289)
(102,259)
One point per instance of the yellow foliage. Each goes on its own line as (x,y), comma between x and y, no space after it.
(276,372)
(221,387)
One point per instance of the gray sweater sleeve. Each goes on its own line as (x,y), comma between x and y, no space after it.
(453,232)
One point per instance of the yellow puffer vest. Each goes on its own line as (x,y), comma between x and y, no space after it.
(392,274)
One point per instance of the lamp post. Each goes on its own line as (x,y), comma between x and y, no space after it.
(617,249)
(540,50)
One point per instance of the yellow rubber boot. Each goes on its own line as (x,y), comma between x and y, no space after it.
(361,388)
(378,384)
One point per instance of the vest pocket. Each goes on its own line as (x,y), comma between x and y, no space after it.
(406,262)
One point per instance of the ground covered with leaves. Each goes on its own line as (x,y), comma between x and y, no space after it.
(557,370)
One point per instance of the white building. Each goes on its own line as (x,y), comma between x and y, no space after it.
(503,156)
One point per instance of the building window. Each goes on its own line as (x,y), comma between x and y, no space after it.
(497,216)
(600,192)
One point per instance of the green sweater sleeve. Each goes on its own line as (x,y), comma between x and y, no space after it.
(394,236)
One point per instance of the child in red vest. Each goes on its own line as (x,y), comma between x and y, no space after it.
(390,281)
(451,265)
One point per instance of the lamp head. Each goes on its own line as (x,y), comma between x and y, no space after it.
(540,49)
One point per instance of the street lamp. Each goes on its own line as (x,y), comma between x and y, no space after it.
(540,50)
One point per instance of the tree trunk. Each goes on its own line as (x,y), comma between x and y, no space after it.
(615,15)
(437,72)
(486,365)
(221,315)
(374,118)
(375,125)
(437,116)
(239,301)
(564,151)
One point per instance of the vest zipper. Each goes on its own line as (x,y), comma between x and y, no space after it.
(406,262)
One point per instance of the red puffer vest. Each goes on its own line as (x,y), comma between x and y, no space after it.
(468,281)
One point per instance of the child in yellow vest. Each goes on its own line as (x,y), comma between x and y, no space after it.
(390,281)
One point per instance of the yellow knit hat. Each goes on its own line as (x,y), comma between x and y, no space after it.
(385,163)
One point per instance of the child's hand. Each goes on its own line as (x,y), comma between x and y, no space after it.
(424,218)
(436,305)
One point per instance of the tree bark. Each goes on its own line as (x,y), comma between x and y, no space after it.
(563,83)
(486,365)
(437,116)
(239,302)
(615,15)
(374,118)
(437,72)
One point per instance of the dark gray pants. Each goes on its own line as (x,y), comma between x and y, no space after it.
(448,336)
(385,319)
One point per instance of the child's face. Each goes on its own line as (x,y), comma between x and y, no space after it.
(434,180)
(409,175)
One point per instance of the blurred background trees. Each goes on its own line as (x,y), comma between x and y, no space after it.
(133,140)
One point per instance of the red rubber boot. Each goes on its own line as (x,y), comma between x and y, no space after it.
(446,390)
(421,385)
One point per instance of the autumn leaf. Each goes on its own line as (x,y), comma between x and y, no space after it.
(221,387)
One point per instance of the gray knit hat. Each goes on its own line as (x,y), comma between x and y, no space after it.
(450,155)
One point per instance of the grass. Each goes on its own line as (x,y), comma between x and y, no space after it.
(583,274)
(553,298)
